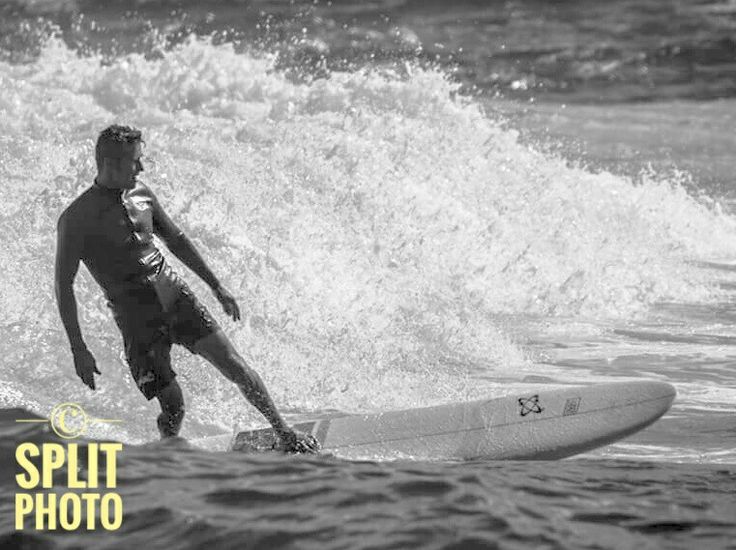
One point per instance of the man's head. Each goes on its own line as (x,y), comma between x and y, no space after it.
(118,156)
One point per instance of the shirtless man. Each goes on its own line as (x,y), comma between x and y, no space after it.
(110,228)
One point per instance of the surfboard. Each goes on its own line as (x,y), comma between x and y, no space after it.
(540,424)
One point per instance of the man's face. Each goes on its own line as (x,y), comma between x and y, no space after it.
(124,169)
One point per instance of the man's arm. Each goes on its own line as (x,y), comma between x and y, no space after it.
(183,249)
(180,245)
(68,254)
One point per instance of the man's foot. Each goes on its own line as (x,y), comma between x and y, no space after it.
(296,442)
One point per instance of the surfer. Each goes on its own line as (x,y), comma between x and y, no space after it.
(110,228)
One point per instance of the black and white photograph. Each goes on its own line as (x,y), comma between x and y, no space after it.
(382,274)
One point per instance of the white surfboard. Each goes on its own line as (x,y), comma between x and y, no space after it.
(533,425)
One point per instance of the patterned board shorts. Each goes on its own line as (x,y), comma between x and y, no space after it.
(149,332)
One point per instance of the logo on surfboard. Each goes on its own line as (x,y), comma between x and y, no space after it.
(572,406)
(530,405)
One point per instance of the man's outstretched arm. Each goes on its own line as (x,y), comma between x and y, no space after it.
(183,249)
(180,245)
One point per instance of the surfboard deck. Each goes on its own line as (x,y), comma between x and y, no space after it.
(543,424)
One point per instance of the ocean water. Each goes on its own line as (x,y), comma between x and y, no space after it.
(415,204)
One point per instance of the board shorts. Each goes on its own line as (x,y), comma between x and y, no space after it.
(149,332)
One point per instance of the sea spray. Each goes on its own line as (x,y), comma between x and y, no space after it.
(376,228)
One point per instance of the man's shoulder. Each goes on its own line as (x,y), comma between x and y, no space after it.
(78,210)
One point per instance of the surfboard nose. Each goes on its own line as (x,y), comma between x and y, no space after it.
(660,394)
(597,415)
(643,402)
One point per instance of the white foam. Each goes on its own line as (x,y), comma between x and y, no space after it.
(373,226)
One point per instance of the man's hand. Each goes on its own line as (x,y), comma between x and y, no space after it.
(297,442)
(86,366)
(228,302)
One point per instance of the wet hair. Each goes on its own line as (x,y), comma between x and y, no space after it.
(113,140)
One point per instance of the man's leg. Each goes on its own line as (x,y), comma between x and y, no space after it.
(172,409)
(218,350)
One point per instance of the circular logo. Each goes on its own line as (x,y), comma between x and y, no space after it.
(68,420)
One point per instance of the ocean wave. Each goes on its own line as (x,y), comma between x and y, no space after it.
(574,51)
(376,224)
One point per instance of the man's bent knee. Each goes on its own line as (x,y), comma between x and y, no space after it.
(217,349)
(236,371)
